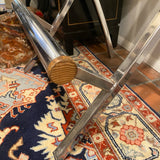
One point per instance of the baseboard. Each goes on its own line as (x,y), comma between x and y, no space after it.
(151,59)
(125,43)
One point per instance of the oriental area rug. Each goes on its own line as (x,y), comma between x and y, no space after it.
(36,115)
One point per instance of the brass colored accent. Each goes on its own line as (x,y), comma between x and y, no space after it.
(62,70)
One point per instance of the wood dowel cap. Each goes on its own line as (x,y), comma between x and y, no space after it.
(62,70)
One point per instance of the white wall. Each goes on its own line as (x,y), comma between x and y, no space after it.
(136,14)
(1,1)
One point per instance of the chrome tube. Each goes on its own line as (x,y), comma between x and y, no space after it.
(53,58)
(105,28)
(60,16)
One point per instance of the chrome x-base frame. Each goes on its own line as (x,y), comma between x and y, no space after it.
(48,50)
(144,46)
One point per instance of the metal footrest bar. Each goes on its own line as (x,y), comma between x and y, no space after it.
(93,79)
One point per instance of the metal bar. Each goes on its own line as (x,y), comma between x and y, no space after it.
(105,27)
(68,143)
(30,64)
(94,79)
(60,16)
(102,100)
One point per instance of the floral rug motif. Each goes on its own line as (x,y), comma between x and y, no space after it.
(35,116)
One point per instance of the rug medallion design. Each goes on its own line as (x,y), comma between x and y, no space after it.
(35,116)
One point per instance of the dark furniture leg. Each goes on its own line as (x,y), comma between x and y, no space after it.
(28,3)
(68,45)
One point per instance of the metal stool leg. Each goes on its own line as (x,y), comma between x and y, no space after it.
(105,27)
(60,16)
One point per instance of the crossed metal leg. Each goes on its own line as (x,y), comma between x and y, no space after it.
(105,28)
(49,52)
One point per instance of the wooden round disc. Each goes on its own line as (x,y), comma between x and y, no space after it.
(62,70)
